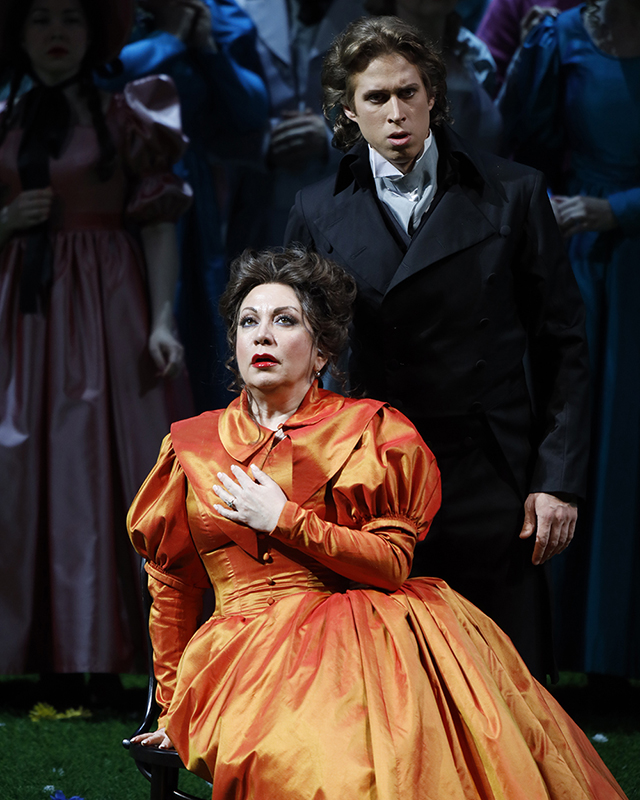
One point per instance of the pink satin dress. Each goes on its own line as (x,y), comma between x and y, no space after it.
(323,672)
(82,413)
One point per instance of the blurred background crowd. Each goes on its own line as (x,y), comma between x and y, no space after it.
(551,84)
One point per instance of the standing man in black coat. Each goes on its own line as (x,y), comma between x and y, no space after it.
(468,319)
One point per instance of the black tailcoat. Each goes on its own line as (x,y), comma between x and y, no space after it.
(474,327)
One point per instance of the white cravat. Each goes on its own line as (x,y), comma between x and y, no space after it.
(407,196)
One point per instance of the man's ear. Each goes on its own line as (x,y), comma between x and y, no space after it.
(349,113)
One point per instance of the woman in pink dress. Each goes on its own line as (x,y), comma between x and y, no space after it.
(87,269)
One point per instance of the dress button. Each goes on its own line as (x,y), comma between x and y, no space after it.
(505,230)
(267,558)
(476,407)
(271,582)
(491,279)
(483,323)
(271,601)
(481,364)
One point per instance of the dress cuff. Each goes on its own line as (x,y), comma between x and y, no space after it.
(287,521)
(172,581)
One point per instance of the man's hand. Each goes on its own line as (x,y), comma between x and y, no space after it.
(533,17)
(552,520)
(298,138)
(201,34)
(184,19)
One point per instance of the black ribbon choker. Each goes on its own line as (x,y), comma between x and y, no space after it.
(46,119)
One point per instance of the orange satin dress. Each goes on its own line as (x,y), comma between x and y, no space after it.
(323,672)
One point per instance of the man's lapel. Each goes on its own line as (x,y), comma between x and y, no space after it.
(357,232)
(355,229)
(455,224)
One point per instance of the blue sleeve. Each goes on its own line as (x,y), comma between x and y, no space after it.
(234,73)
(148,56)
(530,102)
(626,210)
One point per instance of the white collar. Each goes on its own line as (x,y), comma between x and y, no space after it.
(381,168)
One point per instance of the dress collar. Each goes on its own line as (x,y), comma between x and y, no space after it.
(242,436)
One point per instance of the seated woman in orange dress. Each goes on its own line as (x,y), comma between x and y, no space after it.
(323,672)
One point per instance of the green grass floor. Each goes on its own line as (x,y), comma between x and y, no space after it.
(85,758)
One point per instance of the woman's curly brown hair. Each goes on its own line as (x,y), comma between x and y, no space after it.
(355,48)
(325,291)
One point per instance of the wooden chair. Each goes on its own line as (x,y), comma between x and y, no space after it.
(160,767)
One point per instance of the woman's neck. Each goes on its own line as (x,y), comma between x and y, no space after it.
(55,78)
(273,409)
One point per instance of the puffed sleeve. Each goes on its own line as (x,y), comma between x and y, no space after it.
(153,142)
(384,498)
(159,530)
(530,102)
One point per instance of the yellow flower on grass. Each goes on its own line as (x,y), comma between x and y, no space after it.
(45,711)
(73,713)
(42,711)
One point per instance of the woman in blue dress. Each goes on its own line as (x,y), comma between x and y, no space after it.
(571,106)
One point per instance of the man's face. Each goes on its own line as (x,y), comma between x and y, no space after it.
(391,107)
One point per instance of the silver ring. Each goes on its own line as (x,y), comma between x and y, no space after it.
(232,504)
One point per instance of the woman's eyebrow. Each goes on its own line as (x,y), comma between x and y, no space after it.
(285,308)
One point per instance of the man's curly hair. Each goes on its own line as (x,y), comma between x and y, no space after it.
(355,48)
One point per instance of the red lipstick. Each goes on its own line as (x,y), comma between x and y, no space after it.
(264,360)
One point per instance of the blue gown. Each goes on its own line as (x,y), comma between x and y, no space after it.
(574,111)
(224,112)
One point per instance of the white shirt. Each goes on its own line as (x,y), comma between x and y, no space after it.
(407,196)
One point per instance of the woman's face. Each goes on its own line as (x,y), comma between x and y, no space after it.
(275,349)
(55,38)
